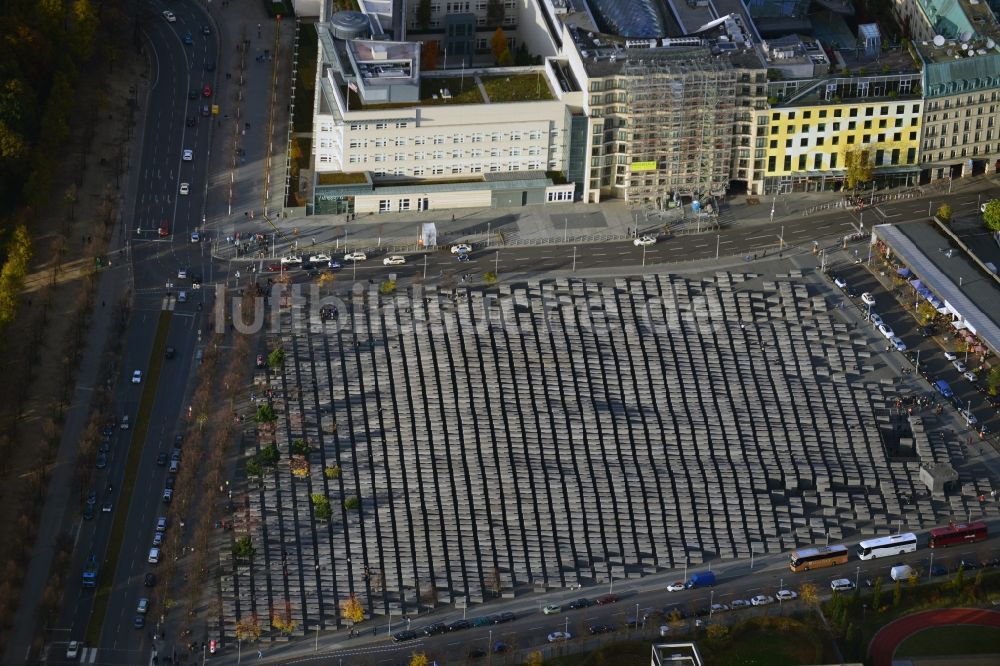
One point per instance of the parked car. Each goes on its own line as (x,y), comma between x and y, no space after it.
(867,298)
(552,609)
(840,282)
(951,356)
(719,608)
(841,585)
(762,600)
(606,599)
(161,524)
(875,319)
(154,556)
(505,616)
(458,625)
(676,586)
(600,629)
(559,636)
(484,621)
(355,256)
(886,332)
(461,248)
(644,241)
(737,604)
(898,344)
(394,260)
(787,595)
(959,365)
(970,375)
(435,629)
(142,606)
(291,260)
(319,258)
(580,603)
(405,635)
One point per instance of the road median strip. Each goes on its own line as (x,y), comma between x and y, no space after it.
(132,459)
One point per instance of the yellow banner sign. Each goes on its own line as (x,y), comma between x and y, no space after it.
(643,166)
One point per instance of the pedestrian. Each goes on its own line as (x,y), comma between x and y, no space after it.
(260,654)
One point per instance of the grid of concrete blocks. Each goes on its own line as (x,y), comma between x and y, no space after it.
(560,433)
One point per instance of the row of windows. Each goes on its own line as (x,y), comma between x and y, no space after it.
(934,105)
(851,125)
(566,195)
(458,169)
(459,6)
(931,130)
(441,139)
(965,152)
(362,158)
(821,161)
(835,139)
(838,113)
(942,141)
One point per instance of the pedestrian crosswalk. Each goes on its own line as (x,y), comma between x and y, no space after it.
(88,655)
(169,303)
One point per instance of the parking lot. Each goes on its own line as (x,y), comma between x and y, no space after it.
(564,433)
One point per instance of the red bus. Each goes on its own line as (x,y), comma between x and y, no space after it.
(960,533)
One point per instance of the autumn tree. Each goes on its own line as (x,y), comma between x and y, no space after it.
(352,610)
(858,162)
(534,659)
(419,659)
(85,20)
(498,43)
(248,628)
(991,215)
(943,213)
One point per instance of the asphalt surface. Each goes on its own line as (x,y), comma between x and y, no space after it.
(179,68)
(735,580)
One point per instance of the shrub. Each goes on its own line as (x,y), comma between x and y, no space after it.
(352,502)
(300,448)
(269,455)
(332,472)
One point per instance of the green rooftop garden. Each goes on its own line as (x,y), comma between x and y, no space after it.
(341,178)
(517,88)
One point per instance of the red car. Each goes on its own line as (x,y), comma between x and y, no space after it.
(606,599)
(207,90)
(164,229)
(275,268)
(260,360)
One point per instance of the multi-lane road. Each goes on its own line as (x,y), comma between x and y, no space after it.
(174,122)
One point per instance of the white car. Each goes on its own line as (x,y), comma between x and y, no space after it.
(719,608)
(291,260)
(787,595)
(188,155)
(552,609)
(185,188)
(73,650)
(840,282)
(762,600)
(137,377)
(461,248)
(867,298)
(886,332)
(970,375)
(394,260)
(959,365)
(169,15)
(898,344)
(319,259)
(951,356)
(676,586)
(841,585)
(876,320)
(182,274)
(161,524)
(644,241)
(559,636)
(969,417)
(195,237)
(142,606)
(157,539)
(154,556)
(355,256)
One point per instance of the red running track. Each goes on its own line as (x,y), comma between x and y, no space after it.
(888,638)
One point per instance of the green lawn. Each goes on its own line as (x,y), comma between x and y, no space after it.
(951,640)
(517,88)
(626,653)
(770,642)
(305,79)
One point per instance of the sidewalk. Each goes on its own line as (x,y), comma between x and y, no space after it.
(576,222)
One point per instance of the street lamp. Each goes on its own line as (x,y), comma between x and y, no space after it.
(857,577)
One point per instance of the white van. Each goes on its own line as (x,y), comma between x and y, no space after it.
(841,585)
(902,572)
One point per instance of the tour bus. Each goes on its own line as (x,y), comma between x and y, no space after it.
(961,533)
(818,558)
(890,545)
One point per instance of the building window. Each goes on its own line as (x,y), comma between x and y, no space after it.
(534,135)
(400,124)
(400,141)
(456,169)
(384,205)
(437,170)
(476,168)
(818,161)
(458,138)
(438,140)
(477,138)
(356,127)
(404,204)
(833,160)
(418,171)
(399,157)
(381,126)
(496,136)
(418,141)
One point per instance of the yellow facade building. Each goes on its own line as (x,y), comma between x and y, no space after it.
(808,139)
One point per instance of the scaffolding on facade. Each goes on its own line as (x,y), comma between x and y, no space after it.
(682,111)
